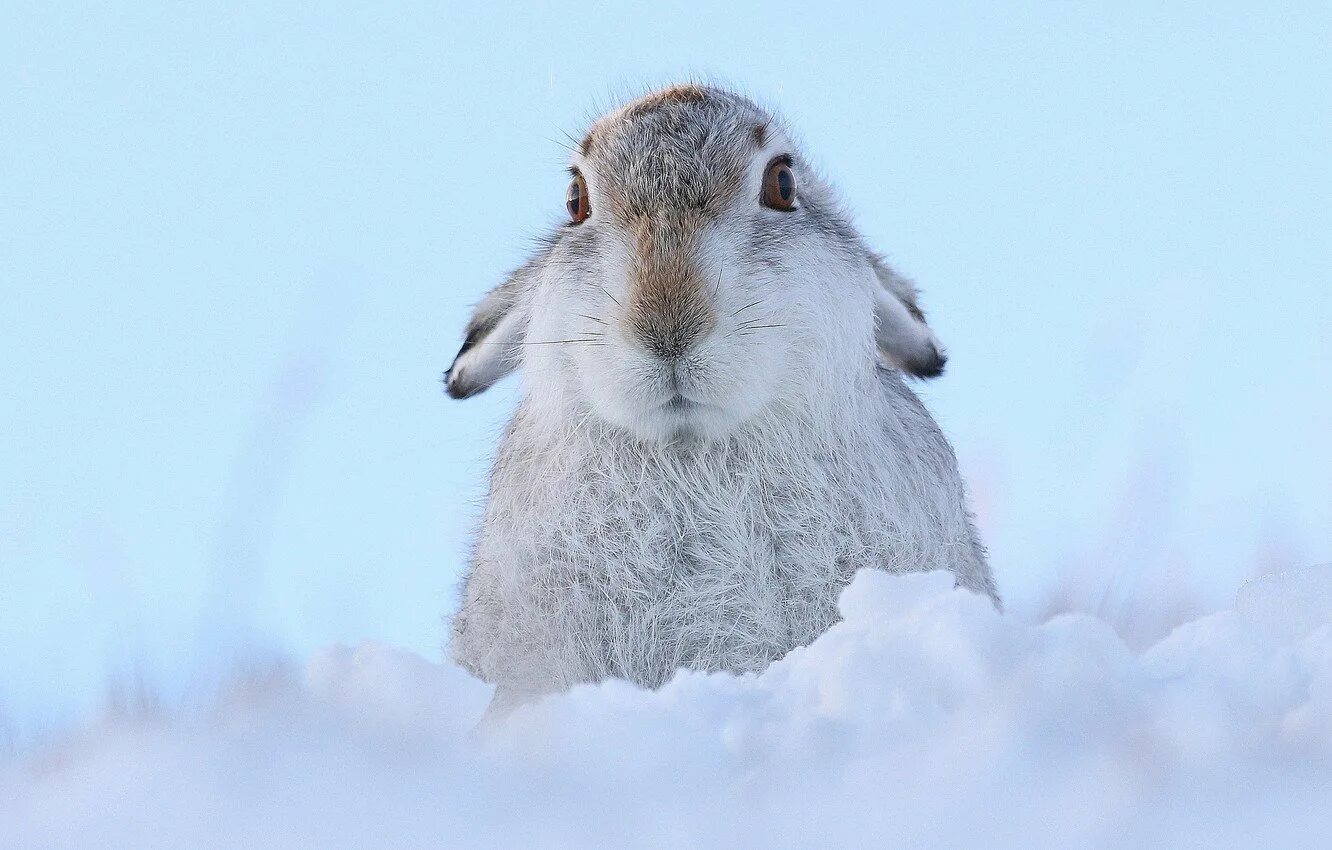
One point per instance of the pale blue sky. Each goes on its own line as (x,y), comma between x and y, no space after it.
(238,243)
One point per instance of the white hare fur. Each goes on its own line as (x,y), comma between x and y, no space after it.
(715,433)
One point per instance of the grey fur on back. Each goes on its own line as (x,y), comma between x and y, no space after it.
(698,505)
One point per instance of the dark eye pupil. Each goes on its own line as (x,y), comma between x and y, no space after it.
(575,197)
(785,184)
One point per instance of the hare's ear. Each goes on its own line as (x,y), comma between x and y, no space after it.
(493,343)
(905,341)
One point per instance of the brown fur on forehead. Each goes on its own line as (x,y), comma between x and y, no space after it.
(684,147)
(760,132)
(679,93)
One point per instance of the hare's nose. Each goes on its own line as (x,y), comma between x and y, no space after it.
(669,335)
(670,304)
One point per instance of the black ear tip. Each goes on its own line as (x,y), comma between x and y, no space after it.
(928,367)
(457,389)
(458,393)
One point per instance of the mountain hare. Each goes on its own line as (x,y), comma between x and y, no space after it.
(715,433)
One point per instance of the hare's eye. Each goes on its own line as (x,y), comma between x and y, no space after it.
(779,185)
(576,200)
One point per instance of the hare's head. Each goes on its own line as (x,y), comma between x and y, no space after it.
(704,275)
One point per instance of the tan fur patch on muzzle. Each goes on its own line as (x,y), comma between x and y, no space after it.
(670,302)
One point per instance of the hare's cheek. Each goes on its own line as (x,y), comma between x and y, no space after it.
(748,384)
(608,384)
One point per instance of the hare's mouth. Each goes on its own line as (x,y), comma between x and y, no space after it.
(681,405)
(680,417)
(677,414)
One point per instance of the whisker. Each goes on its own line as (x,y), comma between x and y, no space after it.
(746,307)
(593,319)
(611,297)
(577,143)
(563,342)
(568,148)
(544,342)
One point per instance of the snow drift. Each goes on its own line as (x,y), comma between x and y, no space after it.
(923,718)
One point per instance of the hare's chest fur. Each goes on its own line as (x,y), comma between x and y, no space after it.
(599,557)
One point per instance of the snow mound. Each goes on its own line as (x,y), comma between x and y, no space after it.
(1289,605)
(924,718)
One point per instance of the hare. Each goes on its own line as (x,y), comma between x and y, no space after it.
(715,433)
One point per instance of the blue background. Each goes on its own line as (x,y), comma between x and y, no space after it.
(238,243)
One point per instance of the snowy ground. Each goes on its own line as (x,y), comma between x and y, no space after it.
(923,718)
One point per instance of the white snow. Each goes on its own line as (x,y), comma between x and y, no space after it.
(925,718)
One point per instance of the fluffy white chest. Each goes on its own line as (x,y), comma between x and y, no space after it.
(634,563)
